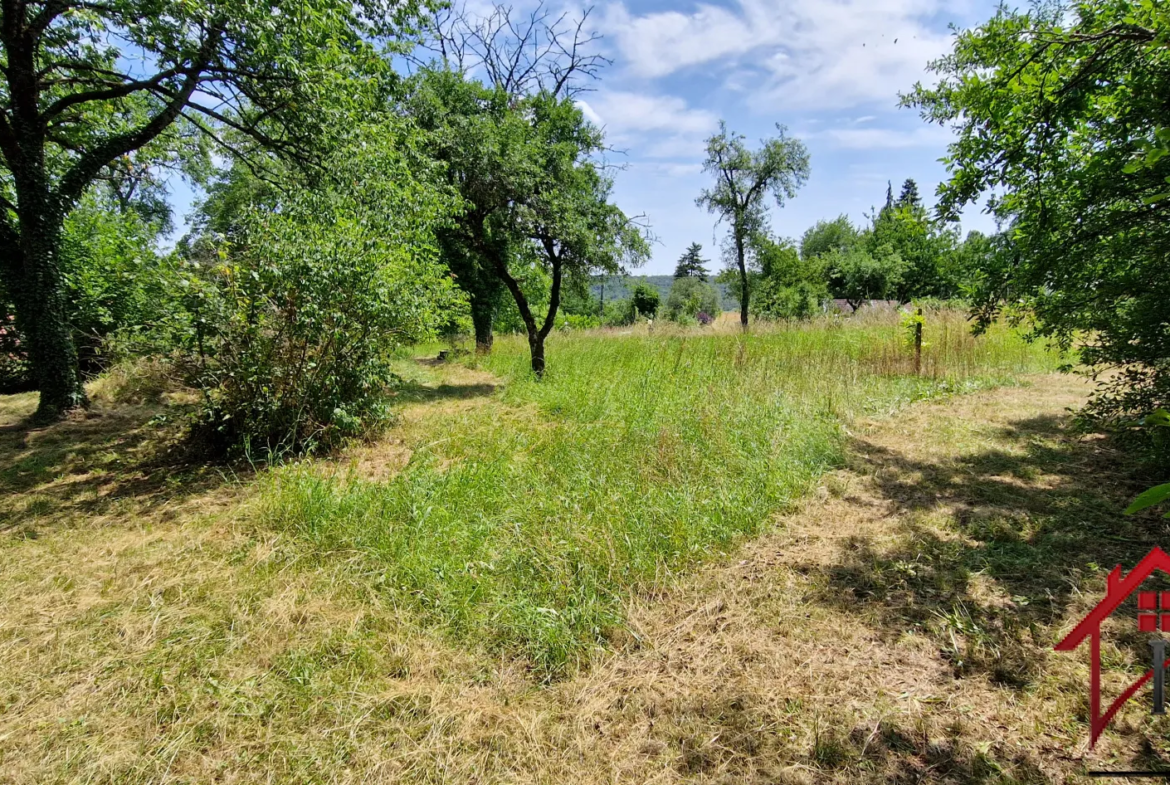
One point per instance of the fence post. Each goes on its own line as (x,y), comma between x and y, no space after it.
(918,344)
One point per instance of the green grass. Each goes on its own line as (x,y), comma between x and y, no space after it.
(524,523)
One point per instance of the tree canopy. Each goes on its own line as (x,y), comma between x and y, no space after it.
(86,86)
(1062,126)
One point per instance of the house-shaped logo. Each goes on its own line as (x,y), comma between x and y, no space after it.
(1153,615)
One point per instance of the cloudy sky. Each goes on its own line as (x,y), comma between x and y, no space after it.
(829,70)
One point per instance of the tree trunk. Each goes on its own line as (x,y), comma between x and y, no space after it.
(743,283)
(536,348)
(483,317)
(41,310)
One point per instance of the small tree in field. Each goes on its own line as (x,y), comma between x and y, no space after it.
(743,179)
(864,276)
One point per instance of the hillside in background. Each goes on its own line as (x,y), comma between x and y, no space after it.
(619,287)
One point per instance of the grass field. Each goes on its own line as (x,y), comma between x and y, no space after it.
(691,557)
(524,523)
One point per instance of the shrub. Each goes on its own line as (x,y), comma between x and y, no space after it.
(115,279)
(689,297)
(645,300)
(619,313)
(290,338)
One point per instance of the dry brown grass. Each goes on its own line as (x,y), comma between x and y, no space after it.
(877,634)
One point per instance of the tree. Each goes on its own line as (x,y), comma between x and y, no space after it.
(825,236)
(1060,117)
(645,300)
(909,196)
(531,194)
(866,276)
(743,179)
(692,264)
(789,286)
(86,84)
(520,56)
(907,230)
(690,297)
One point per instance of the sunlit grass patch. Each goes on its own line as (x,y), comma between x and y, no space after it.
(523,524)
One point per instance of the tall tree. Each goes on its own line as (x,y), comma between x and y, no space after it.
(1061,117)
(909,196)
(691,264)
(531,193)
(743,179)
(519,55)
(86,84)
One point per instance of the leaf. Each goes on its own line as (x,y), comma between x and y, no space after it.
(1152,497)
(1158,418)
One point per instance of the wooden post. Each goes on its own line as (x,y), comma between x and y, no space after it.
(918,344)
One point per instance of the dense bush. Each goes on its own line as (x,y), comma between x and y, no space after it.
(290,337)
(689,297)
(645,300)
(115,282)
(115,278)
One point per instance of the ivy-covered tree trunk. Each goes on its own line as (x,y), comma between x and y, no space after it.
(41,311)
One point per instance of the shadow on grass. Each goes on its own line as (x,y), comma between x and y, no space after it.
(129,457)
(417,393)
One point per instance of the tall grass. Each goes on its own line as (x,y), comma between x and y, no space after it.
(524,524)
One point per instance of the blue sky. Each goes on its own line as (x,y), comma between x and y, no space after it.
(829,70)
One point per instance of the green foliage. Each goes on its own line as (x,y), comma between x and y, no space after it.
(531,194)
(789,286)
(864,275)
(692,264)
(645,300)
(907,230)
(290,336)
(1060,119)
(91,90)
(825,236)
(690,297)
(114,277)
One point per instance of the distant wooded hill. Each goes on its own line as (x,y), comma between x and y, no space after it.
(619,288)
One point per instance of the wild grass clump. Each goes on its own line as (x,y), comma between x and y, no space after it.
(523,524)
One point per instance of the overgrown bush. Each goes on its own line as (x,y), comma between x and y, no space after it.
(115,278)
(289,338)
(689,297)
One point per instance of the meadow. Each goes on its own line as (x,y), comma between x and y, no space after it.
(526,515)
(686,555)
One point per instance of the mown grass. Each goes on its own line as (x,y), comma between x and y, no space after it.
(524,523)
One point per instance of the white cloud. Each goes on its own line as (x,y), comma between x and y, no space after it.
(885,138)
(824,54)
(659,126)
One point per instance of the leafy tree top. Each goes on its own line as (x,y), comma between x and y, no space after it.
(692,264)
(744,178)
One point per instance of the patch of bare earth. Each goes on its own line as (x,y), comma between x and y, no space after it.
(897,628)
